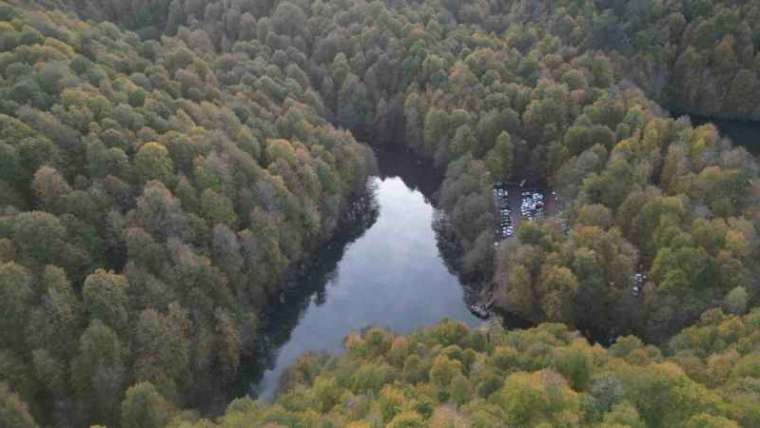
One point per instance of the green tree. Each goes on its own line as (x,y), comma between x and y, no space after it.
(39,236)
(444,370)
(55,324)
(736,300)
(217,209)
(50,187)
(541,397)
(51,372)
(98,372)
(500,158)
(461,390)
(144,407)
(623,414)
(16,299)
(436,129)
(152,162)
(160,213)
(288,19)
(559,287)
(228,343)
(463,142)
(575,366)
(14,413)
(162,349)
(709,421)
(105,298)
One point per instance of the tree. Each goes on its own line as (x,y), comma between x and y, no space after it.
(289,19)
(160,213)
(736,300)
(144,407)
(408,419)
(217,209)
(34,153)
(414,370)
(51,371)
(16,298)
(595,215)
(519,290)
(463,142)
(152,162)
(742,92)
(105,298)
(14,413)
(461,390)
(444,370)
(704,420)
(98,372)
(436,129)
(529,399)
(500,158)
(49,187)
(103,161)
(327,393)
(228,344)
(623,414)
(162,348)
(55,324)
(39,236)
(575,366)
(226,249)
(354,105)
(559,286)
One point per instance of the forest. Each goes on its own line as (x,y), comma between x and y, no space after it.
(165,163)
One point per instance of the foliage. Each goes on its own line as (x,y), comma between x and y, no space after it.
(556,378)
(156,186)
(151,201)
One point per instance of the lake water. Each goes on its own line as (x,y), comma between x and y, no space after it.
(384,269)
(388,273)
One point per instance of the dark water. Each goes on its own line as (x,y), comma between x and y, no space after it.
(742,133)
(386,272)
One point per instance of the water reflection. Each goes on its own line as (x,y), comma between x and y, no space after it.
(392,275)
(418,174)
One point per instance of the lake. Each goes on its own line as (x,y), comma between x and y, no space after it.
(387,272)
(383,269)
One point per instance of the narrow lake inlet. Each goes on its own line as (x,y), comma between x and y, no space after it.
(391,276)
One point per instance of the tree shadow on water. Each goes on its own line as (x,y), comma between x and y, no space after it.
(303,286)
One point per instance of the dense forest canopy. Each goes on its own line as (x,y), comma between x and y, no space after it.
(156,185)
(449,376)
(695,56)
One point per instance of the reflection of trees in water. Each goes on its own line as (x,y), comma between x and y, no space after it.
(420,175)
(448,245)
(417,174)
(305,285)
(450,250)
(474,287)
(308,283)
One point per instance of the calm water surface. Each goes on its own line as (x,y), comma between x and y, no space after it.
(384,269)
(392,275)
